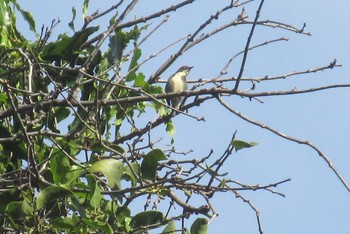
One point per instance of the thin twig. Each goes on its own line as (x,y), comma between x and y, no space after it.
(245,55)
(303,142)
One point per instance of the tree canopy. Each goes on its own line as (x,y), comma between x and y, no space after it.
(78,115)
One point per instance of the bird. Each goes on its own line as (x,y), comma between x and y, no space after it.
(177,83)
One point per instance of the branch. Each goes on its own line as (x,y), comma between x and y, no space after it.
(224,69)
(303,142)
(137,21)
(107,102)
(245,55)
(188,208)
(173,57)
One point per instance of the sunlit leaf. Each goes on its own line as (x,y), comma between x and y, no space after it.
(71,23)
(140,80)
(223,183)
(112,169)
(5,24)
(170,228)
(155,89)
(29,18)
(67,48)
(188,193)
(170,128)
(214,173)
(133,67)
(238,144)
(3,97)
(26,15)
(85,7)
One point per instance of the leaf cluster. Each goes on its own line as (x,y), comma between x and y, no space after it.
(61,166)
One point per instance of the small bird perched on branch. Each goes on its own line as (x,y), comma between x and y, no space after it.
(177,83)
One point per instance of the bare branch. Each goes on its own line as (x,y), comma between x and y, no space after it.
(303,142)
(248,45)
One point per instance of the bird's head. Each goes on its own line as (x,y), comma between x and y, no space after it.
(185,68)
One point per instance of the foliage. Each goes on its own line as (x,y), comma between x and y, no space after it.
(73,155)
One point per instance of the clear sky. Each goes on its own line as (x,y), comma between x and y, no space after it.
(316,201)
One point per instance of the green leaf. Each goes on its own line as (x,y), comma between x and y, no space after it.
(147,218)
(199,226)
(187,192)
(223,183)
(213,173)
(4,16)
(29,18)
(71,23)
(140,81)
(85,7)
(238,144)
(14,209)
(133,67)
(74,145)
(112,19)
(170,128)
(130,171)
(60,166)
(117,43)
(74,173)
(109,208)
(67,48)
(77,203)
(9,35)
(123,216)
(63,223)
(51,194)
(61,113)
(116,147)
(103,226)
(155,89)
(95,191)
(3,97)
(27,207)
(150,163)
(26,15)
(112,169)
(135,33)
(170,228)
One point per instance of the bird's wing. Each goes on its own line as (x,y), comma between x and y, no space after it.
(167,90)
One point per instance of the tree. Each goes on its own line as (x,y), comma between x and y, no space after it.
(77,124)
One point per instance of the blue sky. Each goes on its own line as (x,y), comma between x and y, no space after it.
(316,201)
